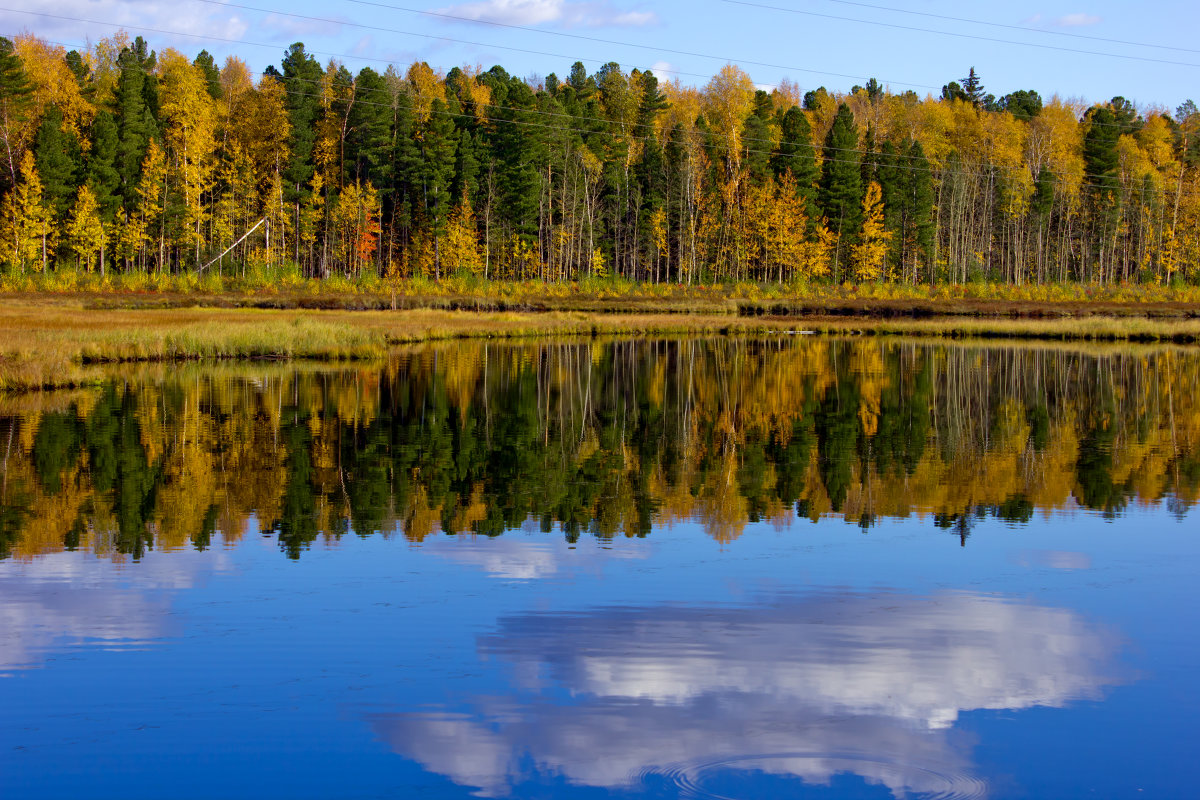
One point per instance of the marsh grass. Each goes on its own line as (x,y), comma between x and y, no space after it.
(286,286)
(1101,328)
(59,345)
(48,342)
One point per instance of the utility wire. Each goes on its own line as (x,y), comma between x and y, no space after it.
(973,36)
(369,59)
(582,37)
(279,47)
(652,48)
(983,166)
(1025,28)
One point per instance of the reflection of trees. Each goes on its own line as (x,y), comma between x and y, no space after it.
(604,439)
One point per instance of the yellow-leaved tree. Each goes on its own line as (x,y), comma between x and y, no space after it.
(187,110)
(85,233)
(461,245)
(27,220)
(870,254)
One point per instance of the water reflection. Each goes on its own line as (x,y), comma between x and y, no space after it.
(808,688)
(63,599)
(602,439)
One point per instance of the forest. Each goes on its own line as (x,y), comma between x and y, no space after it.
(599,439)
(123,160)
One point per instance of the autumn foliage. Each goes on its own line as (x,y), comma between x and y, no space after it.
(313,170)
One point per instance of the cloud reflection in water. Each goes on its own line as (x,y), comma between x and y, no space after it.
(796,687)
(61,600)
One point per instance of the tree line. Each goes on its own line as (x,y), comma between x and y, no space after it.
(120,159)
(599,439)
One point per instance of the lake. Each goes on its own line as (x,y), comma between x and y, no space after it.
(680,568)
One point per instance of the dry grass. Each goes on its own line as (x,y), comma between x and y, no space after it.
(1088,328)
(57,342)
(47,345)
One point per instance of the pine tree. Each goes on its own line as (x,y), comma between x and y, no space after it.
(797,155)
(919,221)
(301,77)
(972,88)
(15,91)
(212,75)
(368,140)
(841,183)
(135,122)
(56,156)
(101,173)
(438,145)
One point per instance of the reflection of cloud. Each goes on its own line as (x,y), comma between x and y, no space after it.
(1054,559)
(516,560)
(869,685)
(74,598)
(536,12)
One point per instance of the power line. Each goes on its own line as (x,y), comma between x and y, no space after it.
(368,59)
(278,47)
(552,33)
(651,48)
(972,36)
(983,166)
(1005,26)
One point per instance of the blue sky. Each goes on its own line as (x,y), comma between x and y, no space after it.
(834,43)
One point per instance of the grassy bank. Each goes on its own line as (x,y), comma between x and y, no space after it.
(466,292)
(50,341)
(49,345)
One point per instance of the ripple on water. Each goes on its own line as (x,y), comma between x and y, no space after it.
(905,780)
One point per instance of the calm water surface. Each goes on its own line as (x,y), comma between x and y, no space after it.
(719,568)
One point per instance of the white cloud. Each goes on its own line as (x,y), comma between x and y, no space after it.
(298,28)
(68,23)
(510,12)
(1077,20)
(850,684)
(597,14)
(662,70)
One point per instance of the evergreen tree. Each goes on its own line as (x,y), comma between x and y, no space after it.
(1022,104)
(212,75)
(796,153)
(15,91)
(466,169)
(301,77)
(972,88)
(56,155)
(101,174)
(135,120)
(841,182)
(79,68)
(1100,155)
(756,148)
(369,131)
(438,143)
(919,224)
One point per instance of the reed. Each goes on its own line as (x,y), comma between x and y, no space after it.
(59,345)
(51,343)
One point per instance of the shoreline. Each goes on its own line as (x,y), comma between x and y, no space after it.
(56,342)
